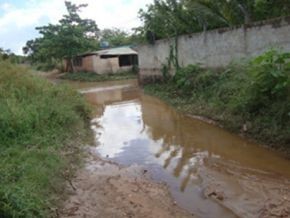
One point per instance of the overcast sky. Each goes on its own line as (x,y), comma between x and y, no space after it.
(18,18)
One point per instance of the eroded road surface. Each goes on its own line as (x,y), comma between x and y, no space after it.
(144,149)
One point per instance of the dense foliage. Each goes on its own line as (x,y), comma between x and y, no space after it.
(115,37)
(71,36)
(167,18)
(253,96)
(40,126)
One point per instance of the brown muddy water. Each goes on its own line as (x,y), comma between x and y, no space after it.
(210,172)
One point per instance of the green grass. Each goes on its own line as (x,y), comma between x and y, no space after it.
(41,128)
(233,99)
(93,77)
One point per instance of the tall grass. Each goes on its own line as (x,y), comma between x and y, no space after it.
(41,126)
(252,97)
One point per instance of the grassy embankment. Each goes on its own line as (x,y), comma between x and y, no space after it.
(41,128)
(253,97)
(93,77)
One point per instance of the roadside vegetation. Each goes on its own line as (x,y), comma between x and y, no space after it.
(41,128)
(253,97)
(94,77)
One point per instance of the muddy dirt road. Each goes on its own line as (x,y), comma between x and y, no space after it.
(143,142)
(105,189)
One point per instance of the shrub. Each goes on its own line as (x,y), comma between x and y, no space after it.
(270,75)
(184,77)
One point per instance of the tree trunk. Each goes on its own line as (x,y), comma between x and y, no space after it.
(70,65)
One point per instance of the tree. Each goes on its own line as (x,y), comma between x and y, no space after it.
(167,18)
(272,8)
(4,54)
(115,37)
(8,55)
(70,37)
(164,19)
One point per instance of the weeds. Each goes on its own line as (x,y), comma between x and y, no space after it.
(39,124)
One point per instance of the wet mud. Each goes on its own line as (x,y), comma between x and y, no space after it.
(105,189)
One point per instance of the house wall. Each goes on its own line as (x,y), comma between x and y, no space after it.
(216,48)
(103,66)
(87,64)
(94,63)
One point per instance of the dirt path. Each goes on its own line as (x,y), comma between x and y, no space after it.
(104,189)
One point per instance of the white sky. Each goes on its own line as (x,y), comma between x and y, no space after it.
(18,18)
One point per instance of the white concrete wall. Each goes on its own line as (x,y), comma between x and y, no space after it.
(217,48)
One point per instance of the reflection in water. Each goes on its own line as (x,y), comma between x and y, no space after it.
(186,153)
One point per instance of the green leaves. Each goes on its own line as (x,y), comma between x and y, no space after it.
(271,74)
(167,18)
(115,37)
(193,78)
(71,36)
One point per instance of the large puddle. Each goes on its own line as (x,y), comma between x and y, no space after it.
(209,171)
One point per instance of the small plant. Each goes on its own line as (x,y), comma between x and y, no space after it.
(194,78)
(165,72)
(271,74)
(270,79)
(184,77)
(171,63)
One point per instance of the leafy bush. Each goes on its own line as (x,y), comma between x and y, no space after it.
(270,75)
(194,78)
(38,122)
(185,77)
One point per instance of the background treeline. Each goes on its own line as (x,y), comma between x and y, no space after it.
(6,54)
(167,18)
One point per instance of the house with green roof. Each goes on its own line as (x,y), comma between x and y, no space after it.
(107,61)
